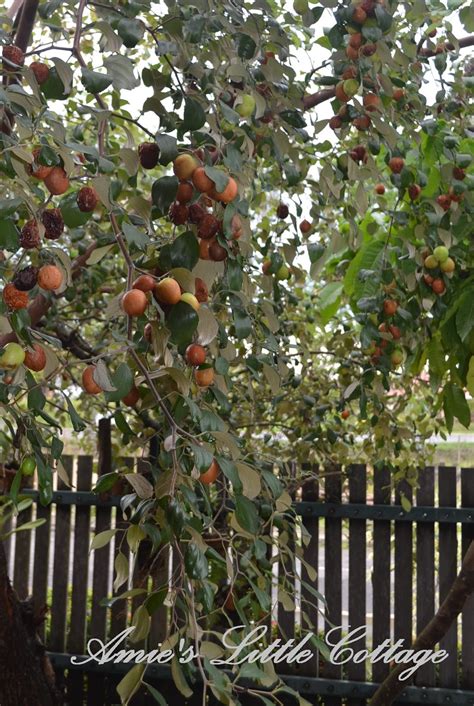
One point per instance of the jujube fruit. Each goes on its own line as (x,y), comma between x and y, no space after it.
(50,277)
(14,298)
(185,192)
(57,181)
(131,398)
(305,226)
(438,286)
(229,194)
(196,213)
(148,154)
(134,302)
(12,356)
(28,466)
(282,211)
(380,189)
(204,376)
(26,278)
(145,283)
(30,236)
(39,171)
(201,291)
(448,265)
(201,181)
(88,382)
(41,71)
(396,165)
(178,213)
(184,166)
(217,252)
(195,354)
(441,253)
(211,474)
(390,307)
(53,222)
(208,227)
(87,199)
(190,299)
(168,291)
(35,359)
(13,54)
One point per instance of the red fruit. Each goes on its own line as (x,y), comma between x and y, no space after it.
(148,154)
(216,252)
(229,194)
(359,15)
(168,291)
(57,181)
(211,474)
(369,49)
(353,54)
(184,166)
(336,122)
(459,173)
(390,307)
(428,280)
(201,291)
(30,237)
(39,171)
(196,213)
(134,302)
(13,55)
(185,192)
(438,286)
(208,227)
(305,226)
(362,123)
(195,355)
(349,72)
(356,40)
(26,278)
(371,102)
(53,222)
(380,189)
(396,165)
(145,283)
(201,181)
(204,246)
(131,398)
(398,94)
(395,331)
(204,376)
(88,382)
(282,211)
(87,199)
(178,213)
(50,277)
(35,359)
(41,71)
(340,93)
(414,190)
(345,413)
(444,200)
(14,298)
(236,226)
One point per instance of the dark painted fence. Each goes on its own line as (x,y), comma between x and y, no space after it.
(377,564)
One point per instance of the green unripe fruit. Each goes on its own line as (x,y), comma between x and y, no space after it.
(13,355)
(397,357)
(283,272)
(431,262)
(300,6)
(448,265)
(450,141)
(28,466)
(350,87)
(441,253)
(246,108)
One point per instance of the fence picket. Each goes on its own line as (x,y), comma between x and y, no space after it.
(357,570)
(333,572)
(403,579)
(467,676)
(425,557)
(448,569)
(381,572)
(310,493)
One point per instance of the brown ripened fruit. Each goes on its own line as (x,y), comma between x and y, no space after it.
(414,190)
(167,291)
(349,72)
(362,122)
(53,222)
(340,93)
(30,237)
(217,253)
(208,227)
(35,358)
(428,280)
(236,226)
(201,291)
(390,307)
(14,298)
(196,213)
(145,283)
(131,398)
(57,181)
(396,165)
(359,15)
(369,49)
(185,192)
(398,94)
(39,171)
(201,181)
(356,40)
(371,102)
(195,355)
(184,166)
(50,277)
(26,278)
(438,286)
(178,213)
(204,376)
(87,199)
(88,382)
(211,474)
(345,413)
(380,189)
(444,200)
(395,331)
(204,246)
(134,302)
(282,211)
(459,173)
(305,226)
(229,194)
(336,122)
(352,53)
(148,154)
(41,71)
(13,55)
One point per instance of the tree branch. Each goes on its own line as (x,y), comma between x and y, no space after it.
(436,629)
(27,21)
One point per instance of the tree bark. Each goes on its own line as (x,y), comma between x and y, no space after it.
(27,678)
(437,628)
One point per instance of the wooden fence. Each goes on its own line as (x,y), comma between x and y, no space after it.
(377,564)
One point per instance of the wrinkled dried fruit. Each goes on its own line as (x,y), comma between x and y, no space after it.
(26,278)
(148,154)
(178,213)
(283,211)
(87,199)
(201,291)
(196,213)
(53,222)
(50,277)
(30,237)
(41,71)
(208,227)
(14,298)
(13,55)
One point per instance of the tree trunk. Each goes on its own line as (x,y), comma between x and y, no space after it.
(437,628)
(27,678)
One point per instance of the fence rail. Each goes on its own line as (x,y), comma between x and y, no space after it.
(376,563)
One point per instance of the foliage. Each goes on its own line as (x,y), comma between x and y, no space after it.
(330,339)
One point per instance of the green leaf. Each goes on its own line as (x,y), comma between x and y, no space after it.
(94,82)
(329,300)
(53,88)
(179,680)
(156,694)
(106,482)
(242,322)
(168,148)
(9,236)
(246,514)
(121,69)
(293,118)
(202,457)
(193,29)
(220,178)
(182,321)
(130,683)
(72,216)
(122,380)
(102,539)
(131,31)
(182,252)
(315,251)
(194,115)
(455,405)
(368,258)
(465,315)
(78,424)
(135,236)
(195,562)
(247,47)
(163,193)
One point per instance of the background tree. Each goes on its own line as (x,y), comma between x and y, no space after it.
(168,264)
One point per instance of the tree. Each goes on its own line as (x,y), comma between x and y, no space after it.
(187,279)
